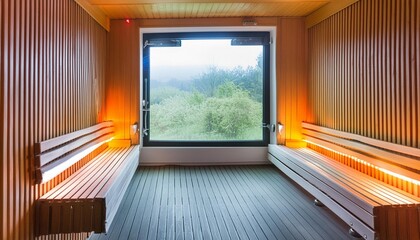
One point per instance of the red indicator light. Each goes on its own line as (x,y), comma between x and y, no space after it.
(127,20)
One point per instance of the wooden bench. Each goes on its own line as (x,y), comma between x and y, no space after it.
(87,200)
(353,187)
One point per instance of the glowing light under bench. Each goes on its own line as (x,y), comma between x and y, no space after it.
(402,177)
(51,173)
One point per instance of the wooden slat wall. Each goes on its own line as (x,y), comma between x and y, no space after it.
(123,78)
(123,68)
(2,125)
(364,75)
(52,82)
(291,77)
(327,11)
(209,9)
(369,169)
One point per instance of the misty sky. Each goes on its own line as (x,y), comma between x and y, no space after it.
(194,56)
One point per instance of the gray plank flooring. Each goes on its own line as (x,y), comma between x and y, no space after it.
(221,202)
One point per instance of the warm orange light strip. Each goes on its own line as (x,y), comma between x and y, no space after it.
(396,175)
(52,173)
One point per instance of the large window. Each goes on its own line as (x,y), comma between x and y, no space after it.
(206,89)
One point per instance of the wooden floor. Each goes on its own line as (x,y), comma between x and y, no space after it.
(240,202)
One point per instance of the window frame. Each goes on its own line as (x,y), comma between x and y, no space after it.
(206,35)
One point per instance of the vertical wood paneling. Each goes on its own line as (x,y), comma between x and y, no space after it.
(123,89)
(52,82)
(364,71)
(291,63)
(123,78)
(369,169)
(2,120)
(123,69)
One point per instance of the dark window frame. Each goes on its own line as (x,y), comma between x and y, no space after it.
(207,35)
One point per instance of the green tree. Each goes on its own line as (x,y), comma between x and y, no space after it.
(223,104)
(208,82)
(232,112)
(160,94)
(249,79)
(174,117)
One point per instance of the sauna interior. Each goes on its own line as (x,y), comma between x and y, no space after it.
(337,154)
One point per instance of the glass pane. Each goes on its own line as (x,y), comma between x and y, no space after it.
(206,90)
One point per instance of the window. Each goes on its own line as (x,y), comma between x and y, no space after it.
(206,89)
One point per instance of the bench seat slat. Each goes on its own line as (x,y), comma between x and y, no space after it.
(365,215)
(402,160)
(68,184)
(77,199)
(49,171)
(348,176)
(108,184)
(96,176)
(79,177)
(87,176)
(370,141)
(395,167)
(365,210)
(402,196)
(395,197)
(112,193)
(336,177)
(334,206)
(46,157)
(118,163)
(88,199)
(54,142)
(359,181)
(368,205)
(362,183)
(339,183)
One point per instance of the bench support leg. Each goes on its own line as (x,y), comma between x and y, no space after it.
(354,234)
(318,203)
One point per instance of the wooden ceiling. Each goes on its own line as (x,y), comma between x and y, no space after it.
(314,10)
(120,9)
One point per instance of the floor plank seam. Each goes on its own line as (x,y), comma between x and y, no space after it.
(219,202)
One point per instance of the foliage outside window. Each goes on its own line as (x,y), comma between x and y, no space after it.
(218,101)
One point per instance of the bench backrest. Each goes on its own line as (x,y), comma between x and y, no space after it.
(383,160)
(55,155)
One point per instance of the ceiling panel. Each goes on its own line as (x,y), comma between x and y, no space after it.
(119,9)
(138,2)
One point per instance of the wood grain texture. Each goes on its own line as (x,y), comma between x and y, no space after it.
(210,9)
(371,208)
(123,78)
(327,11)
(52,83)
(55,142)
(123,69)
(123,85)
(390,163)
(220,203)
(95,13)
(202,22)
(372,170)
(99,185)
(364,71)
(3,222)
(391,147)
(181,9)
(291,62)
(134,2)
